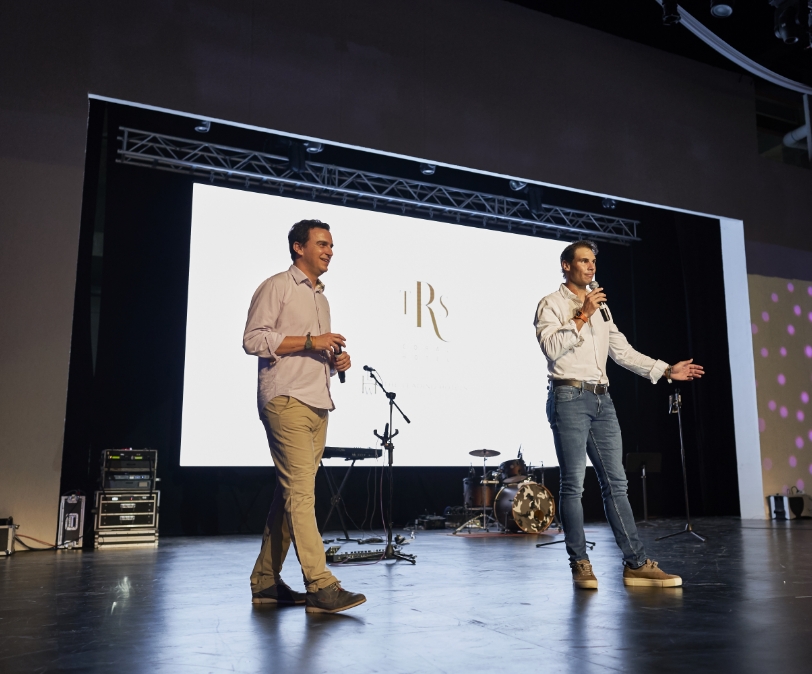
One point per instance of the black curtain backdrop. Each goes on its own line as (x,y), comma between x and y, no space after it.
(666,294)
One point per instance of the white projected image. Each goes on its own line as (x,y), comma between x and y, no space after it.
(443,312)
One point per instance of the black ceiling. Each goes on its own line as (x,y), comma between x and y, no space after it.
(749,30)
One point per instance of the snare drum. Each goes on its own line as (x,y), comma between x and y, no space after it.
(527,507)
(473,490)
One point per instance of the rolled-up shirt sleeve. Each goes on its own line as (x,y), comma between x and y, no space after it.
(260,337)
(624,355)
(556,335)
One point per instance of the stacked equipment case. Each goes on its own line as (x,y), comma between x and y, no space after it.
(128,505)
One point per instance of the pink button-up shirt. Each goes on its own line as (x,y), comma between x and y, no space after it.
(288,305)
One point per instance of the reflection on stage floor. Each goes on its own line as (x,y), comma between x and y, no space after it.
(470,604)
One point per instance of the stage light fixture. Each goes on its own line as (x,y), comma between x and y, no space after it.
(609,204)
(535,200)
(722,8)
(787,25)
(313,147)
(671,15)
(204,126)
(517,185)
(427,169)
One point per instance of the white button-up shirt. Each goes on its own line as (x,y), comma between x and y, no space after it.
(582,355)
(288,305)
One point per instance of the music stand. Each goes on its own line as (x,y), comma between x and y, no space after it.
(645,462)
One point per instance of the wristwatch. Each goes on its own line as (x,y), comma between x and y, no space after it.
(581,316)
(667,374)
(308,343)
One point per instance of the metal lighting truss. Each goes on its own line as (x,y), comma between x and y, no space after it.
(363,189)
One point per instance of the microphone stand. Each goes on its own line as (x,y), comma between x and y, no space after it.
(675,407)
(392,551)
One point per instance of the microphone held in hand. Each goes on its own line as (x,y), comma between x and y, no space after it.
(342,376)
(604,310)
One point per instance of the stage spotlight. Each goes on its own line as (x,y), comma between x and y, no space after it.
(787,25)
(517,185)
(671,15)
(204,126)
(427,169)
(609,204)
(313,147)
(722,8)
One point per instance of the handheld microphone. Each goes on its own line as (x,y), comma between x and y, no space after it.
(369,369)
(604,310)
(342,376)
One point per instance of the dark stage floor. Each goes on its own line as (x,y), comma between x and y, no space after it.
(478,605)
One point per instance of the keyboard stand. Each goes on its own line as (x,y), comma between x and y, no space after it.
(336,503)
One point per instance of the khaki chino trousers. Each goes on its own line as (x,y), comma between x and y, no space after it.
(296,436)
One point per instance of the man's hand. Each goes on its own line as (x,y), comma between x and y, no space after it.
(593,301)
(328,341)
(342,362)
(685,370)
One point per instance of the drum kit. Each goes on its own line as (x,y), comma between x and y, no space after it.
(510,498)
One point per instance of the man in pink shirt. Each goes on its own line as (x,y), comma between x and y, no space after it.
(288,329)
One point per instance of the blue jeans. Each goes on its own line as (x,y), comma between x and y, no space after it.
(585,423)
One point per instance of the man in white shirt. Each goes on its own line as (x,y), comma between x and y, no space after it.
(576,340)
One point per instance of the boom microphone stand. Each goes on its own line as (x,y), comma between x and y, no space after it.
(675,407)
(392,551)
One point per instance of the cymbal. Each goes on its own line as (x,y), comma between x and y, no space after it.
(484,452)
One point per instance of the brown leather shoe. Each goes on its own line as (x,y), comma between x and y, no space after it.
(278,594)
(649,575)
(582,576)
(332,599)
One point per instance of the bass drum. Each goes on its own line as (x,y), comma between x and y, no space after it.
(527,507)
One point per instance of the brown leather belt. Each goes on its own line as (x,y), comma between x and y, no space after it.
(597,389)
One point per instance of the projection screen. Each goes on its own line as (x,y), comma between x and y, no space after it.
(443,312)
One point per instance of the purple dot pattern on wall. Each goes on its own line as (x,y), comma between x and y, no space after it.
(800,484)
(783,373)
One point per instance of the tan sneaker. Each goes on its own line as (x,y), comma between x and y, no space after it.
(582,576)
(649,575)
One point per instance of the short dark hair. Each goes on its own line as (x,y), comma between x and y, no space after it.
(300,233)
(568,254)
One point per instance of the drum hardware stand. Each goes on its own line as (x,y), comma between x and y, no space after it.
(675,407)
(392,550)
(487,520)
